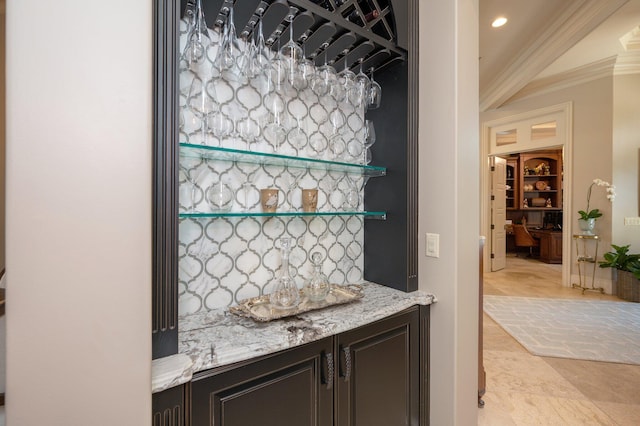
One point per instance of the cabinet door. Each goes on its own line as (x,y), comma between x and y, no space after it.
(168,407)
(378,373)
(290,388)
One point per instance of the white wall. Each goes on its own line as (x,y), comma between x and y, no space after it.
(449,202)
(626,159)
(79,212)
(592,152)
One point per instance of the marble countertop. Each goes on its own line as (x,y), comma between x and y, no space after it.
(216,338)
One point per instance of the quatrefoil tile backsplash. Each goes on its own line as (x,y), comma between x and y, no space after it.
(224,260)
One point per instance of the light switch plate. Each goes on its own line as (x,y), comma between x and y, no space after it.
(432,245)
(632,221)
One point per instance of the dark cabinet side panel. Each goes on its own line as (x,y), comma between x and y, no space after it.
(378,373)
(290,388)
(168,407)
(165,179)
(391,246)
(386,241)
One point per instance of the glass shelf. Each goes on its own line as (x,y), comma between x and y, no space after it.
(226,154)
(200,215)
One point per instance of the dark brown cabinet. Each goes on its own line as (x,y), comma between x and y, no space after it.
(550,245)
(369,376)
(534,181)
(168,407)
(541,180)
(512,181)
(294,387)
(378,380)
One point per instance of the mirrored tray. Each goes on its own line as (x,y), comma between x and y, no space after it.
(259,308)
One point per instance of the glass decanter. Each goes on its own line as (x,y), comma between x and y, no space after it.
(286,294)
(317,287)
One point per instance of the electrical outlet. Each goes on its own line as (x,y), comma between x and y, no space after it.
(432,245)
(632,221)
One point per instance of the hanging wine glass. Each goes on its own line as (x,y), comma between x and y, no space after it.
(354,150)
(337,120)
(278,71)
(369,134)
(347,80)
(188,189)
(307,69)
(293,54)
(352,195)
(367,156)
(220,197)
(294,193)
(271,75)
(369,140)
(374,95)
(189,56)
(262,61)
(317,145)
(297,136)
(221,126)
(336,143)
(222,60)
(246,61)
(224,63)
(197,38)
(201,105)
(248,194)
(191,119)
(232,50)
(337,147)
(248,130)
(273,130)
(361,88)
(237,114)
(325,77)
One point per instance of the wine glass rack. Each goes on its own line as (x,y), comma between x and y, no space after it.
(364,31)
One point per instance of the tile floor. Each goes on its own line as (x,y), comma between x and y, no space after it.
(523,389)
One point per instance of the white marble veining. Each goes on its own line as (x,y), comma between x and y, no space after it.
(218,337)
(170,371)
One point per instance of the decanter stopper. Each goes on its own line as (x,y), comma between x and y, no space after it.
(286,294)
(317,287)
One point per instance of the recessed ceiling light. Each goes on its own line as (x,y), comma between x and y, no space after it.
(498,22)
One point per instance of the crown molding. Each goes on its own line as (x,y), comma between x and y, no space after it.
(580,75)
(578,20)
(631,40)
(628,63)
(623,64)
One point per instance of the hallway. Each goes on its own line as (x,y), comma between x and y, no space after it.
(523,389)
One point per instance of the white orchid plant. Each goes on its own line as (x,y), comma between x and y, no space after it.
(595,213)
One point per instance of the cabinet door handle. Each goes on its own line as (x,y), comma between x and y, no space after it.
(347,363)
(330,370)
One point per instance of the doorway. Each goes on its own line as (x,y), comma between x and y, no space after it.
(526,134)
(526,207)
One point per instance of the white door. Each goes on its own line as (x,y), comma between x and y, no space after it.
(498,213)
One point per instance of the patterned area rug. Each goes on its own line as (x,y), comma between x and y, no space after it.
(591,330)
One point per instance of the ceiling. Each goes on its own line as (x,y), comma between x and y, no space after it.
(545,38)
